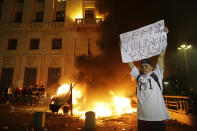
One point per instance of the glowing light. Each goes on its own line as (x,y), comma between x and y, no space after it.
(61,0)
(79,16)
(60,112)
(102,110)
(51,97)
(123,105)
(99,17)
(182,46)
(115,105)
(76,95)
(63,89)
(83,117)
(189,46)
(179,48)
(166,82)
(76,15)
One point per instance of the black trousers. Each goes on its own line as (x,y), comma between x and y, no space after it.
(151,125)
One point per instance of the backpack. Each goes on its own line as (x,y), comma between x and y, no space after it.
(154,76)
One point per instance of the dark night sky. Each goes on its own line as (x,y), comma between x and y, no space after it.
(107,70)
(126,15)
(180,17)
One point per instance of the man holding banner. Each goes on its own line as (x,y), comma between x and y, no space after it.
(138,45)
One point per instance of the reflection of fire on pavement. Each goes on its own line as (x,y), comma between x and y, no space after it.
(18,118)
(70,100)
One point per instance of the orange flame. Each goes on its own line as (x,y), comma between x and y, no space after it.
(102,110)
(63,89)
(118,105)
(61,112)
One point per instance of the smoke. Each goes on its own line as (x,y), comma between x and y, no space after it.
(106,71)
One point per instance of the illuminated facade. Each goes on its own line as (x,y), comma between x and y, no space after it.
(40,39)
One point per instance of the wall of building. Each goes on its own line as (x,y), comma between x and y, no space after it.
(74,43)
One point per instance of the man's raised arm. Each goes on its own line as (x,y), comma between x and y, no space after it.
(131,65)
(134,71)
(160,60)
(161,57)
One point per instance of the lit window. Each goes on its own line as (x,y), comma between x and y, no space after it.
(12,44)
(89,14)
(34,44)
(57,44)
(61,0)
(60,16)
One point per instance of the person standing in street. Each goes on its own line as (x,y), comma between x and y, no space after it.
(151,109)
(10,92)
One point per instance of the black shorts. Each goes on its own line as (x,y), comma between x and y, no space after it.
(151,125)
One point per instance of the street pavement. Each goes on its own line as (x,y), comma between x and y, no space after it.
(19,118)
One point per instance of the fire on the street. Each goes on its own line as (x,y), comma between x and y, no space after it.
(116,105)
(65,88)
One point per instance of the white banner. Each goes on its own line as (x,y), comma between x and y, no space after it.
(144,42)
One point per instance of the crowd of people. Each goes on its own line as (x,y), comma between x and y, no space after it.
(31,95)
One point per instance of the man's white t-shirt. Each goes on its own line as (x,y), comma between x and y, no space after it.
(151,106)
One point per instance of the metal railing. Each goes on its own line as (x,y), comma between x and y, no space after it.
(30,26)
(81,21)
(47,25)
(181,104)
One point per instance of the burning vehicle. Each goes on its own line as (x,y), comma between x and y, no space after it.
(61,102)
(73,101)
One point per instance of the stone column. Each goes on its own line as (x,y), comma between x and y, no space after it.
(48,10)
(8,6)
(28,11)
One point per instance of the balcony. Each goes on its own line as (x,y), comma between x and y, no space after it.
(81,21)
(32,26)
(87,24)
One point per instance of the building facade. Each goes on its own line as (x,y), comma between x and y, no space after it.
(40,40)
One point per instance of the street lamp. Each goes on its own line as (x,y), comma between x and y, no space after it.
(185,47)
(166,83)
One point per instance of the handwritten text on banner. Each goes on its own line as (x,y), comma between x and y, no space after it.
(144,42)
